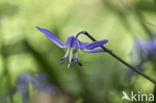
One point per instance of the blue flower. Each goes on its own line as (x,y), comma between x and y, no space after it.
(24,81)
(73,45)
(41,83)
(142,51)
(22,86)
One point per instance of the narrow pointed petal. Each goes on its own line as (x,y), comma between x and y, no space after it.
(95,44)
(51,37)
(94,50)
(71,42)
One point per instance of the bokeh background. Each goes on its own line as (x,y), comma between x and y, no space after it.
(102,78)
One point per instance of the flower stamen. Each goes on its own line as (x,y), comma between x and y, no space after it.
(70,58)
(65,56)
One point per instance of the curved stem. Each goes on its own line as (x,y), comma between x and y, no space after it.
(118,58)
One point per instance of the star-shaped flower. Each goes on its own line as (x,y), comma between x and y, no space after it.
(73,45)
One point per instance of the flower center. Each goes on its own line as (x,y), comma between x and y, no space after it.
(71,54)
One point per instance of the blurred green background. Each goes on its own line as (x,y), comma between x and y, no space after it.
(101,79)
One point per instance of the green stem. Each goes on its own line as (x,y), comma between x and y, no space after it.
(118,58)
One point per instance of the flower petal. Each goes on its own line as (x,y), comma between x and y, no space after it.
(52,37)
(95,44)
(71,42)
(82,44)
(94,50)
